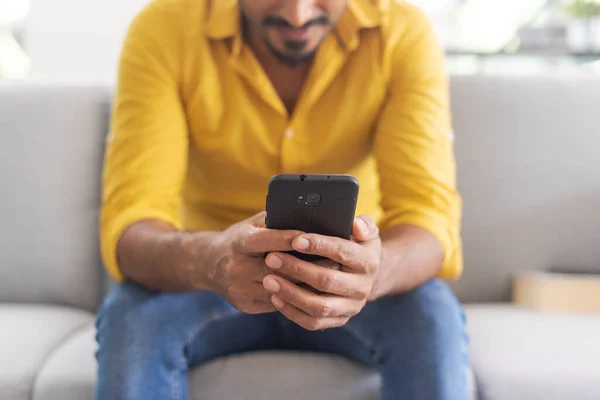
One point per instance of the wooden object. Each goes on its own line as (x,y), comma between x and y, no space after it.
(557,292)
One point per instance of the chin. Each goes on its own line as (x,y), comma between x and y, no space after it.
(294,59)
(311,44)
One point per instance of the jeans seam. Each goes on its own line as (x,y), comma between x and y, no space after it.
(204,324)
(197,329)
(176,393)
(365,342)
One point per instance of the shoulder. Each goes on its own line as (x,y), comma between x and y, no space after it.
(177,7)
(400,8)
(159,33)
(173,15)
(402,21)
(410,44)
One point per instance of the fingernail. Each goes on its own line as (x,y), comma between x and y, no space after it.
(277,302)
(302,243)
(362,225)
(273,261)
(272,286)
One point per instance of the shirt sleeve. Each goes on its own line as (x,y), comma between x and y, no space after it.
(147,148)
(414,143)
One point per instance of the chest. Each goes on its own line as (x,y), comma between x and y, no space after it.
(238,117)
(288,85)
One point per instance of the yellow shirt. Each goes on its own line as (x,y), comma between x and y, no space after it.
(198,130)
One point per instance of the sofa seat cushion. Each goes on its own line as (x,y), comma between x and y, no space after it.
(70,374)
(29,334)
(291,376)
(523,354)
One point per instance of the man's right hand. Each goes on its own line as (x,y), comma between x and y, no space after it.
(230,263)
(236,268)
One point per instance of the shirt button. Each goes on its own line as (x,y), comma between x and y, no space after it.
(289,133)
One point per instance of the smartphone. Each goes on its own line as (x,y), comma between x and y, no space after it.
(322,204)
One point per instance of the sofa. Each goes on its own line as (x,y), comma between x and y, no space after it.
(529,172)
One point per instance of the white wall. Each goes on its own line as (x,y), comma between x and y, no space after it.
(78,39)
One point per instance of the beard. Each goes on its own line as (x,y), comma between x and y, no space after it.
(294,56)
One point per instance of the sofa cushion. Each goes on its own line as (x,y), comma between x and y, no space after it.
(50,162)
(71,372)
(28,336)
(522,354)
(529,175)
(298,376)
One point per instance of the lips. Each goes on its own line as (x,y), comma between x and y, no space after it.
(294,34)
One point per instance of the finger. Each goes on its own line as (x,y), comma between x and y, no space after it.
(263,241)
(324,279)
(256,271)
(258,220)
(345,252)
(253,291)
(325,263)
(255,307)
(320,306)
(365,229)
(307,321)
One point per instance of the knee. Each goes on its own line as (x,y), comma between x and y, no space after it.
(431,311)
(123,310)
(438,308)
(140,314)
(133,326)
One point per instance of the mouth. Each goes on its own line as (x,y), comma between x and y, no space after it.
(294,34)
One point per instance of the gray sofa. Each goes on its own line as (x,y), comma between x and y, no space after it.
(529,164)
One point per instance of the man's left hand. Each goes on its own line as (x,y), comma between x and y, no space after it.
(344,290)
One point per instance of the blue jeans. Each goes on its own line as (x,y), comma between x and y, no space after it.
(148,340)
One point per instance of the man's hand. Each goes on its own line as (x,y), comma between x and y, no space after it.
(237,268)
(344,291)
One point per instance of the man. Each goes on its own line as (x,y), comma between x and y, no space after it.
(214,98)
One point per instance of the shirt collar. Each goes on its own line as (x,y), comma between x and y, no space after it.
(224,21)
(359,15)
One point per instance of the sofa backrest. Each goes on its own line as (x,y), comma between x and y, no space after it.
(528,153)
(51,145)
(528,162)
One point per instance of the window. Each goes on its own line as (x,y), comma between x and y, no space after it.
(14,62)
(517,35)
(500,36)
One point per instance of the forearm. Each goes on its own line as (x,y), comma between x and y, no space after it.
(158,257)
(411,256)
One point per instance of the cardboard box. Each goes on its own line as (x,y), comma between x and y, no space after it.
(557,292)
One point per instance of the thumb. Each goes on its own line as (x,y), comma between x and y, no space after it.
(258,220)
(365,229)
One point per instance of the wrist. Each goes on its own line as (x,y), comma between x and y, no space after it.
(206,249)
(379,281)
(189,254)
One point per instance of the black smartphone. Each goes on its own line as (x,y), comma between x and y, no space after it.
(322,204)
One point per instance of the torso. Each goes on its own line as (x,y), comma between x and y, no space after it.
(287,82)
(316,118)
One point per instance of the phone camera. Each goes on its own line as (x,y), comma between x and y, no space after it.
(313,199)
